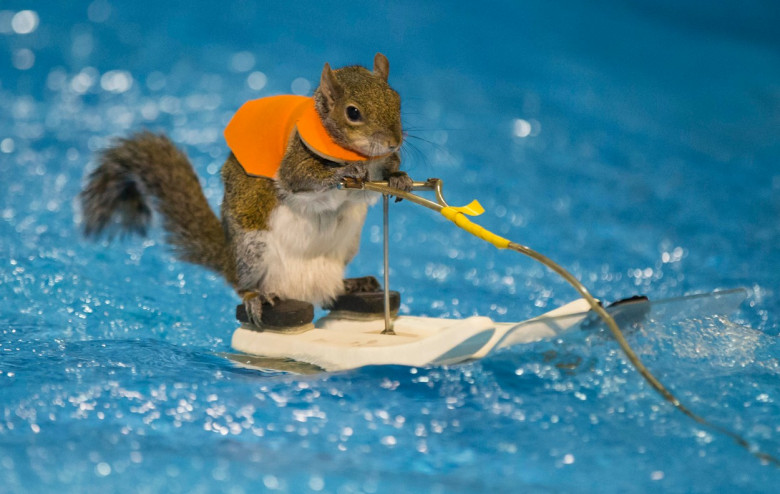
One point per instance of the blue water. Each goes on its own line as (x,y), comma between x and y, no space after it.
(635,142)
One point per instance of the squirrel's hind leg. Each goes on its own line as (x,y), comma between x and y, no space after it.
(361,285)
(273,314)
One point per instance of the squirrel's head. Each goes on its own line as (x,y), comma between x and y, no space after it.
(359,109)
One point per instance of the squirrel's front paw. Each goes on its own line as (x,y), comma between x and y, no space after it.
(355,170)
(400,181)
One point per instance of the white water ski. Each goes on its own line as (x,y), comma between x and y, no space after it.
(339,344)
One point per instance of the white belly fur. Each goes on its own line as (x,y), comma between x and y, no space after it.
(310,239)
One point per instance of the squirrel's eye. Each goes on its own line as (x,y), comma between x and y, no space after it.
(353,114)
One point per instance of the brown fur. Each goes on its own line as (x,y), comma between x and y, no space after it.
(248,200)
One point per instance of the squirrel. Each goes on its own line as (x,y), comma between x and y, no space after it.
(287,231)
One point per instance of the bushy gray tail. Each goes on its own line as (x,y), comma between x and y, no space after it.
(147,171)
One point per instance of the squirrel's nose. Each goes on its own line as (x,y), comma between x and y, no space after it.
(391,142)
(393,145)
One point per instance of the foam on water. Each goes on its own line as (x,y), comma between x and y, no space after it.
(634,142)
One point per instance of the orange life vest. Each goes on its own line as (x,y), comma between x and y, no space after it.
(259,132)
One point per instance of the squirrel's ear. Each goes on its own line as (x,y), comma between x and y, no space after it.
(381,66)
(330,87)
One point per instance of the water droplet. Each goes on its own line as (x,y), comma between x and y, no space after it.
(24,59)
(103,469)
(155,81)
(316,483)
(521,128)
(271,482)
(84,80)
(82,45)
(256,80)
(99,11)
(116,81)
(25,22)
(300,86)
(56,80)
(7,145)
(242,61)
